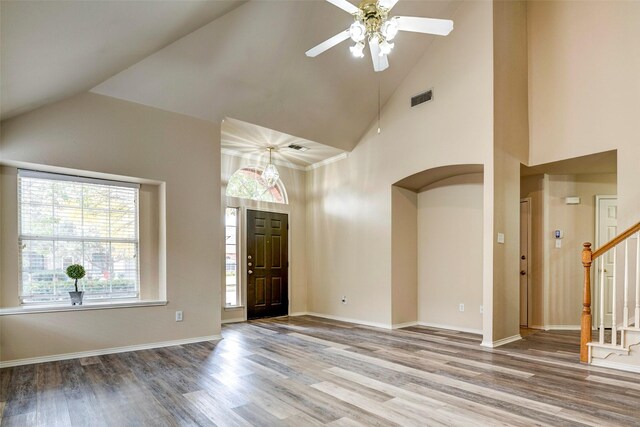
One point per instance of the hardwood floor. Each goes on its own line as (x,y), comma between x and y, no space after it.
(306,371)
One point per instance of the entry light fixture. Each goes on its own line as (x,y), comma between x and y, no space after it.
(270,174)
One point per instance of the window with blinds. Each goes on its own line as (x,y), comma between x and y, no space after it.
(68,220)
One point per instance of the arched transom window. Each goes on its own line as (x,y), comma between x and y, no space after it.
(247,183)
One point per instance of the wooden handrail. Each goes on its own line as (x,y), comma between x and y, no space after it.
(587,259)
(615,241)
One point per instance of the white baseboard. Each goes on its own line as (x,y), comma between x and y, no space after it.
(236,320)
(452,328)
(298,313)
(404,325)
(562,328)
(604,363)
(503,341)
(349,320)
(102,351)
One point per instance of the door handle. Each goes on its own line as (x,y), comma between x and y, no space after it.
(250,272)
(522,273)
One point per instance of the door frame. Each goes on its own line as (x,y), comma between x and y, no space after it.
(529,263)
(594,271)
(244,205)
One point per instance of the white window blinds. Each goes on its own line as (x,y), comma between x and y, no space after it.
(68,220)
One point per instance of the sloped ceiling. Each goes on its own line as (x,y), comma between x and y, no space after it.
(50,50)
(247,63)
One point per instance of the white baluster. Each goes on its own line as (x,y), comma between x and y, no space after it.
(637,319)
(614,326)
(602,299)
(625,310)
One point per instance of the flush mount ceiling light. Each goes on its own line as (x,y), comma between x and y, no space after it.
(373,24)
(270,174)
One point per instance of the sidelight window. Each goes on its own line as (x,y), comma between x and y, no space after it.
(232,288)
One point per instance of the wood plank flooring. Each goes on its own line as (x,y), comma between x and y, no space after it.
(307,371)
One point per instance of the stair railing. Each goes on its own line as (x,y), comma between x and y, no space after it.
(588,257)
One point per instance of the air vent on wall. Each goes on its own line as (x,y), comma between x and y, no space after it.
(421,98)
(298,147)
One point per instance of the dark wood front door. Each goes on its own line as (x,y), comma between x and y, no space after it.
(267,264)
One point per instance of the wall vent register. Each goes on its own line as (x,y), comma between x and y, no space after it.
(421,98)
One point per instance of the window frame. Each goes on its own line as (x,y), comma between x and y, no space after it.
(238,283)
(109,297)
(257,170)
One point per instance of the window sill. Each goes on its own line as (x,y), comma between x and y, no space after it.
(51,308)
(233,307)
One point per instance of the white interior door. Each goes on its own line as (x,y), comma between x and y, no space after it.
(606,229)
(524,262)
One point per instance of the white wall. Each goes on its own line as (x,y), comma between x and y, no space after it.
(349,202)
(294,181)
(450,239)
(100,134)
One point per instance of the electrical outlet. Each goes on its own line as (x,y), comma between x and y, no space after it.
(343,299)
(461,308)
(179,316)
(481,310)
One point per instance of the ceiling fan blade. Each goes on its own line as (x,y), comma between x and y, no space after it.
(328,44)
(345,5)
(440,27)
(380,63)
(388,4)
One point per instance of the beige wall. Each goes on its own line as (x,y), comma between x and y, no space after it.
(556,274)
(349,202)
(450,252)
(404,256)
(149,230)
(532,187)
(511,146)
(101,134)
(294,181)
(584,87)
(566,274)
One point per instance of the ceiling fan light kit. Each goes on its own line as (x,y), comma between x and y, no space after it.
(372,24)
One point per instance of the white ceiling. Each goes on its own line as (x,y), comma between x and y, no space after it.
(54,49)
(247,63)
(252,142)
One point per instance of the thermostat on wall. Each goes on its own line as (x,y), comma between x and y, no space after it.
(558,234)
(572,200)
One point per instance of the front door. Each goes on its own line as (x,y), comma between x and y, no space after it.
(267,264)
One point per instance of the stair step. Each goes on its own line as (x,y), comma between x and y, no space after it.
(601,351)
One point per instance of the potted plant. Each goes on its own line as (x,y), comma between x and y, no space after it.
(76,271)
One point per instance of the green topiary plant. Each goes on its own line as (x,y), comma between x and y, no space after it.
(76,271)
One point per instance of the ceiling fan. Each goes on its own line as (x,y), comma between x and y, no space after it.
(373,24)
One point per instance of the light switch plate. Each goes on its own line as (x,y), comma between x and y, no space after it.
(500,237)
(558,243)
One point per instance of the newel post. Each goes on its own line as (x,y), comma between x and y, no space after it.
(585,320)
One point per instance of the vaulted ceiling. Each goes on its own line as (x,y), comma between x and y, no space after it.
(208,60)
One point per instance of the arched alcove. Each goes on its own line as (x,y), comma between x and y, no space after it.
(437,248)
